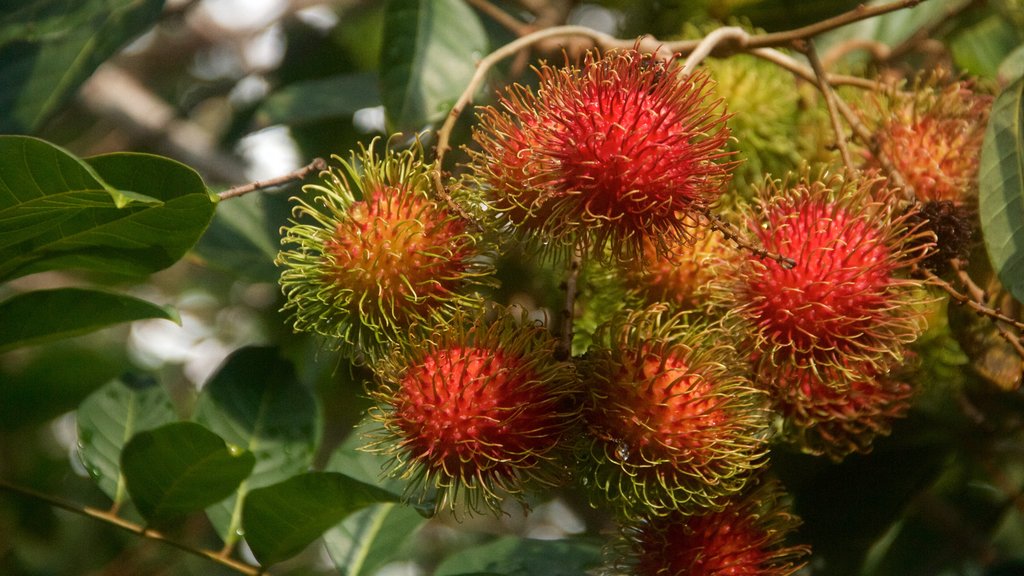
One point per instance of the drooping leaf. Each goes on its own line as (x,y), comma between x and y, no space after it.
(47,315)
(1001,188)
(371,538)
(119,213)
(256,402)
(48,48)
(281,520)
(1012,67)
(513,556)
(181,468)
(312,101)
(109,417)
(427,60)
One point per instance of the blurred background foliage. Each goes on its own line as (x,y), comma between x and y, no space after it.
(242,90)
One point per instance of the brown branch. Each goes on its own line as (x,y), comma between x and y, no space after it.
(564,350)
(977,305)
(821,80)
(316,165)
(117,521)
(708,44)
(980,297)
(733,234)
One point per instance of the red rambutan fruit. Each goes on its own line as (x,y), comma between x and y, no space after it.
(671,426)
(932,135)
(833,413)
(609,155)
(367,271)
(744,538)
(476,412)
(845,301)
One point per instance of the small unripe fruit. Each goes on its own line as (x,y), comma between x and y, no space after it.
(367,271)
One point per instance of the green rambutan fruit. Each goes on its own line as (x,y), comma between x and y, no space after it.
(373,255)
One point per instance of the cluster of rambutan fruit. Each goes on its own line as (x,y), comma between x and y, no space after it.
(709,353)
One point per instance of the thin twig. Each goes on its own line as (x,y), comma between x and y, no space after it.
(966,300)
(708,44)
(733,234)
(316,165)
(980,297)
(821,79)
(114,520)
(564,350)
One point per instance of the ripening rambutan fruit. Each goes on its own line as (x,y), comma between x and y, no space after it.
(835,413)
(366,271)
(744,538)
(932,135)
(619,151)
(845,301)
(672,426)
(476,412)
(677,279)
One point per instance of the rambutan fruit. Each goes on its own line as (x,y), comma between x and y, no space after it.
(476,412)
(606,156)
(932,135)
(672,426)
(366,271)
(846,300)
(679,279)
(835,413)
(745,538)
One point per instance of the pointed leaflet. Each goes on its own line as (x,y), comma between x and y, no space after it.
(281,520)
(121,213)
(181,468)
(1001,188)
(256,402)
(428,59)
(49,47)
(45,315)
(109,417)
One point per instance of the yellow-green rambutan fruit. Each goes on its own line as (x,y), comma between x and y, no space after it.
(372,254)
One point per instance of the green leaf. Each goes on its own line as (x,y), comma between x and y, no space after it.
(180,468)
(428,59)
(244,236)
(51,380)
(281,520)
(256,402)
(1012,67)
(890,29)
(980,48)
(1001,188)
(371,538)
(46,315)
(513,556)
(54,208)
(48,48)
(109,417)
(312,101)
